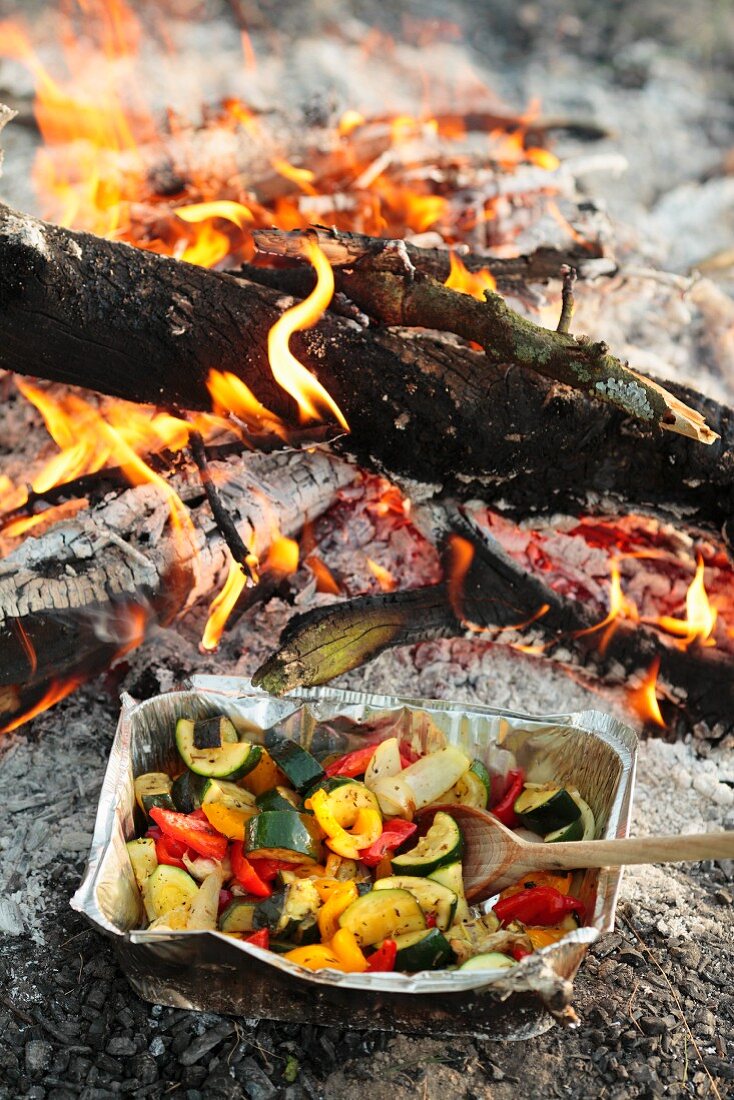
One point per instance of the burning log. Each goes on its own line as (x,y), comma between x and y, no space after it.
(78,309)
(492,598)
(87,591)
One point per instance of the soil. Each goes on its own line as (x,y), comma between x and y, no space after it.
(654,998)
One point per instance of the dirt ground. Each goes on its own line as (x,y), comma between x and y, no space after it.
(654,999)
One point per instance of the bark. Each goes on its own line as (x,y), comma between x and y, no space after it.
(498,601)
(74,598)
(77,309)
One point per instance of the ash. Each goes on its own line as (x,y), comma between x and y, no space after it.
(655,997)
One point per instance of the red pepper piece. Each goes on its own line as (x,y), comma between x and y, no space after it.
(352,764)
(394,833)
(383,959)
(408,756)
(504,811)
(225,897)
(267,869)
(169,851)
(259,939)
(518,952)
(245,873)
(430,920)
(540,905)
(191,831)
(197,815)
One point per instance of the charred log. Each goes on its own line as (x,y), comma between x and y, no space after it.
(73,599)
(498,601)
(78,309)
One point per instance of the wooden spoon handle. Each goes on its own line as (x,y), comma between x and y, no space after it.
(618,853)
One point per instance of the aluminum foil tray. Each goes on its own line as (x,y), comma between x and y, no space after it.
(213,972)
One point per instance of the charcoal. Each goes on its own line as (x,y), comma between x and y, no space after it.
(121,1046)
(254,1081)
(204,1043)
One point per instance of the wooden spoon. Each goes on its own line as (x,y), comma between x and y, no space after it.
(495,857)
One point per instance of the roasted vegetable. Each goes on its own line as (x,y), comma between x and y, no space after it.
(441,844)
(229,760)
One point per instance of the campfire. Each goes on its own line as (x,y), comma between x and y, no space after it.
(244,334)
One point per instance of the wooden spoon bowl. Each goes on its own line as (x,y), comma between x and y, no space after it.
(495,857)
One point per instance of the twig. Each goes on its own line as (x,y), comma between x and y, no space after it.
(678,1004)
(246,560)
(569,278)
(17,1011)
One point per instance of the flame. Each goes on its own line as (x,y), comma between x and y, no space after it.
(312,399)
(469,282)
(349,122)
(325,580)
(620,607)
(644,700)
(230,395)
(460,557)
(222,606)
(282,556)
(302,177)
(700,619)
(383,576)
(56,691)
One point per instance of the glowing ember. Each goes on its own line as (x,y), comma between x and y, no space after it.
(313,400)
(644,700)
(222,607)
(700,619)
(383,576)
(469,282)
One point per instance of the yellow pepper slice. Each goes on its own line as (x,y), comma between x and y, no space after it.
(541,937)
(232,823)
(326,886)
(366,822)
(346,948)
(315,957)
(332,909)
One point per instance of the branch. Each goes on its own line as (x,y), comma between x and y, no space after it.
(385,284)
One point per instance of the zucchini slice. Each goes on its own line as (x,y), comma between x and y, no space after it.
(574,831)
(279,798)
(434,899)
(451,875)
(545,809)
(291,913)
(299,766)
(231,760)
(166,889)
(239,916)
(143,859)
(212,733)
(227,794)
(283,834)
(441,844)
(425,950)
(153,785)
(187,791)
(587,815)
(381,915)
(490,960)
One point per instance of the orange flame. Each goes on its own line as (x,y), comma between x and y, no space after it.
(56,691)
(383,576)
(325,580)
(222,607)
(620,607)
(312,399)
(700,619)
(469,282)
(644,700)
(282,556)
(231,395)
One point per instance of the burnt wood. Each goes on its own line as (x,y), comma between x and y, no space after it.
(78,309)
